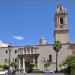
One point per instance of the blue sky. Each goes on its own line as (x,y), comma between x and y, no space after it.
(24,22)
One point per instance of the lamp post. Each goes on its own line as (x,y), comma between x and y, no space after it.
(9,49)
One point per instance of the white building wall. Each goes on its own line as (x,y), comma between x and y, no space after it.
(44,52)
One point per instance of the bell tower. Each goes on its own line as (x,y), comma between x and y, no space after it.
(61,27)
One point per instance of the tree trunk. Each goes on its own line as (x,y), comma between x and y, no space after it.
(56,62)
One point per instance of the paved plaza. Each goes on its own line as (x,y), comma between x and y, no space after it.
(41,74)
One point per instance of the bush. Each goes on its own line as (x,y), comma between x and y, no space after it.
(14,64)
(4,66)
(31,67)
(68,70)
(72,71)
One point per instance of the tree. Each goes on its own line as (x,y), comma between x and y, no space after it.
(14,65)
(70,61)
(57,46)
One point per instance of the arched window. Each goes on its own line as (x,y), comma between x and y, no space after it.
(15,51)
(61,20)
(15,59)
(6,51)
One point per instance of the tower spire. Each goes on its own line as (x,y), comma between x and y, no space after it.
(61,26)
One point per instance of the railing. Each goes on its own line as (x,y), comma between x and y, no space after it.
(28,50)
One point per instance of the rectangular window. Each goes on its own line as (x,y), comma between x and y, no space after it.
(15,51)
(6,51)
(28,50)
(25,51)
(32,50)
(21,50)
(15,59)
(50,58)
(6,60)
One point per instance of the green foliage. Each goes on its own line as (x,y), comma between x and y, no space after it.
(14,64)
(46,65)
(72,71)
(62,64)
(1,66)
(70,60)
(32,65)
(57,46)
(4,66)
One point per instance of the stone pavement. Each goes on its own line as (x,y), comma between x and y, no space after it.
(41,74)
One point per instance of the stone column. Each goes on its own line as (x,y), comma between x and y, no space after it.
(38,62)
(19,64)
(66,20)
(34,60)
(23,65)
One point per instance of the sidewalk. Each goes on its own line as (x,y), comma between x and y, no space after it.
(41,74)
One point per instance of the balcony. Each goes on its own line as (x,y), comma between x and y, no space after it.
(28,50)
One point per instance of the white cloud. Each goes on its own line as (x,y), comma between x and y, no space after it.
(18,37)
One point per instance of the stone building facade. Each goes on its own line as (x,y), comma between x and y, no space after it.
(42,53)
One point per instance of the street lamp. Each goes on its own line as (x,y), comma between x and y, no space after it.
(9,49)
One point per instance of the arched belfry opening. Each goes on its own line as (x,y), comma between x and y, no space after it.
(61,20)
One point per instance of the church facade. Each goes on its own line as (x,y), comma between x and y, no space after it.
(42,53)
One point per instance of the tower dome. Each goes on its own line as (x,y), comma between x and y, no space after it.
(42,41)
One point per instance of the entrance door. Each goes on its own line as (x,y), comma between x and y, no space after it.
(27,66)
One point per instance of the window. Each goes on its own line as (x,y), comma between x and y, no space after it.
(32,50)
(15,51)
(6,60)
(6,51)
(28,50)
(20,50)
(15,59)
(36,62)
(50,58)
(24,51)
(61,20)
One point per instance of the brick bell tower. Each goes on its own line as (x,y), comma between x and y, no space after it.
(61,27)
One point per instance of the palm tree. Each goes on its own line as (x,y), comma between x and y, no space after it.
(70,61)
(14,65)
(57,46)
